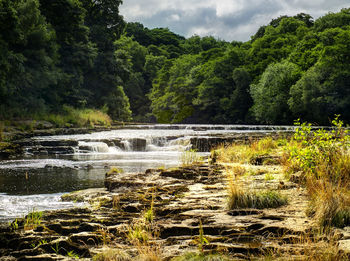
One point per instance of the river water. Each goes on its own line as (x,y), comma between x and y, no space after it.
(37,180)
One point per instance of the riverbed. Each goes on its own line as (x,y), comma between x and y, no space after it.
(54,165)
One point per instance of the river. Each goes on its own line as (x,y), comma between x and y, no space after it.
(54,165)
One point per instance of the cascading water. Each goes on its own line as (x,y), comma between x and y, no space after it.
(57,164)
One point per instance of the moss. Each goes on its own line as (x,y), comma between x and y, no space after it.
(73,196)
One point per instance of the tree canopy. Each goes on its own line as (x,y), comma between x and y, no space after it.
(293,67)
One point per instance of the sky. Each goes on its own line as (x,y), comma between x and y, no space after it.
(224,19)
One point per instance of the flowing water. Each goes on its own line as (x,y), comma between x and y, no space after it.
(53,165)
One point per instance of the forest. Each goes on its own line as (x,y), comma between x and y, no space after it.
(59,55)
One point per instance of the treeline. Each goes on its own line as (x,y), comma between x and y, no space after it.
(292,68)
(56,54)
(82,54)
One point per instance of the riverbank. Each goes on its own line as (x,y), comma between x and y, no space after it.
(254,199)
(177,214)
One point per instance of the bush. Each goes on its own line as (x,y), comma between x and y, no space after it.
(321,154)
(324,161)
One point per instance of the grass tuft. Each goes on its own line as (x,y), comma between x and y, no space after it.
(189,157)
(110,254)
(260,200)
(114,171)
(193,256)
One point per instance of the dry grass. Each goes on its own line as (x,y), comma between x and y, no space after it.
(316,246)
(111,254)
(240,198)
(245,153)
(192,256)
(330,204)
(323,159)
(189,157)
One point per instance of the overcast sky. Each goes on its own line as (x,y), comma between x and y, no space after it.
(224,19)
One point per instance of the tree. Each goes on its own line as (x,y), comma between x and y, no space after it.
(28,58)
(271,93)
(77,53)
(324,89)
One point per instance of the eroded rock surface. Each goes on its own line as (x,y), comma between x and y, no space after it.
(181,199)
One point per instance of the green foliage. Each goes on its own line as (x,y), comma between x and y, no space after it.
(271,94)
(149,214)
(322,154)
(14,224)
(72,254)
(77,118)
(33,219)
(269,176)
(323,158)
(201,240)
(2,136)
(90,58)
(114,170)
(138,232)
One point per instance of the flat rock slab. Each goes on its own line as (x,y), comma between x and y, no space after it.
(185,202)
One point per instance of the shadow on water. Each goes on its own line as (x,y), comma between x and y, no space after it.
(43,181)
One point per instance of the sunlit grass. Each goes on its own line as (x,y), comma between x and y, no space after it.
(189,157)
(246,153)
(77,118)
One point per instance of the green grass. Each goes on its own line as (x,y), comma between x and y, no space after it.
(238,198)
(269,176)
(323,159)
(114,170)
(71,117)
(33,219)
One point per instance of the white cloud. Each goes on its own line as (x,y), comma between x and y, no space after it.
(228,7)
(225,19)
(174,17)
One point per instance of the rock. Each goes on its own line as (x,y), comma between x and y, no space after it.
(138,144)
(86,238)
(297,177)
(8,258)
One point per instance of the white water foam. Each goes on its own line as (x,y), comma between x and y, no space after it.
(12,207)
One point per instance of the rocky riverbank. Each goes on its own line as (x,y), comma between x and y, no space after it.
(167,213)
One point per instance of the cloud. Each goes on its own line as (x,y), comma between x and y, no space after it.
(224,19)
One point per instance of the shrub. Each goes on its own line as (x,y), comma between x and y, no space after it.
(324,160)
(321,154)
